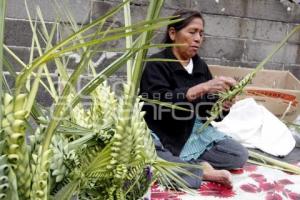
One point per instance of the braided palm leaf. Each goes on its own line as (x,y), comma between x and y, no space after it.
(121,147)
(139,176)
(13,123)
(8,186)
(122,169)
(139,128)
(80,116)
(101,114)
(110,165)
(40,188)
(35,140)
(103,110)
(4,180)
(127,150)
(57,166)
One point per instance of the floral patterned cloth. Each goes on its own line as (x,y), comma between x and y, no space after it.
(251,183)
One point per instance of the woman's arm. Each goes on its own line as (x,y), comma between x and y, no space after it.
(215,85)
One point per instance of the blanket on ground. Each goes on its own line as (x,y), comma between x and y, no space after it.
(251,183)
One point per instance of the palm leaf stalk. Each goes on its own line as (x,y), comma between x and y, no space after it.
(112,68)
(2,22)
(257,158)
(165,104)
(35,43)
(129,41)
(153,13)
(80,39)
(217,108)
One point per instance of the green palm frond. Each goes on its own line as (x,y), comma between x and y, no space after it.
(260,159)
(67,192)
(101,150)
(2,22)
(129,40)
(49,54)
(153,13)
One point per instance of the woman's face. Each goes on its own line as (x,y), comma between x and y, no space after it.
(191,36)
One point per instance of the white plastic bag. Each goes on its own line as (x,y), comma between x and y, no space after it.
(256,127)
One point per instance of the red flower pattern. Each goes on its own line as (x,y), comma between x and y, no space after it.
(250,168)
(273,189)
(250,188)
(216,190)
(273,196)
(164,196)
(159,194)
(258,177)
(293,195)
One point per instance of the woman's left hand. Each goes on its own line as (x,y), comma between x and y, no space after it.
(227,104)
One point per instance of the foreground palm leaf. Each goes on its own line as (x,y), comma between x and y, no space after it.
(102,150)
(260,159)
(2,18)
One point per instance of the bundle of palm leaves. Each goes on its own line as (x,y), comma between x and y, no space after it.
(102,150)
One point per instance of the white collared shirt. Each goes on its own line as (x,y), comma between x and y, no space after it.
(189,67)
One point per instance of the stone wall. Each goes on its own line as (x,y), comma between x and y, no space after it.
(237,32)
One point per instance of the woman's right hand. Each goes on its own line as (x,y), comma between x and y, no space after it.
(219,84)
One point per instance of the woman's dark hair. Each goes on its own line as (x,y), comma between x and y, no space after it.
(187,16)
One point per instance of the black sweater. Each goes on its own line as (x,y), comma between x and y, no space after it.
(169,82)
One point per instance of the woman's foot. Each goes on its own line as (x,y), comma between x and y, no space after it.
(219,176)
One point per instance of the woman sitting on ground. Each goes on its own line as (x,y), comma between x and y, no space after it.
(188,83)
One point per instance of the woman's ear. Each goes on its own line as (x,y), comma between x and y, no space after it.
(172,33)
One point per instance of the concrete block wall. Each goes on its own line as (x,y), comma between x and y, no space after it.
(242,33)
(237,32)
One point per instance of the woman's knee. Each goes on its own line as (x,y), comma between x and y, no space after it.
(240,158)
(237,154)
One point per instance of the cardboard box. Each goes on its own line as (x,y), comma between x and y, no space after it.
(278,91)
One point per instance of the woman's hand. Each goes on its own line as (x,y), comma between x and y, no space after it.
(219,84)
(215,85)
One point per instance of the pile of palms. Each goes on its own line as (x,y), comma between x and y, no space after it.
(98,148)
